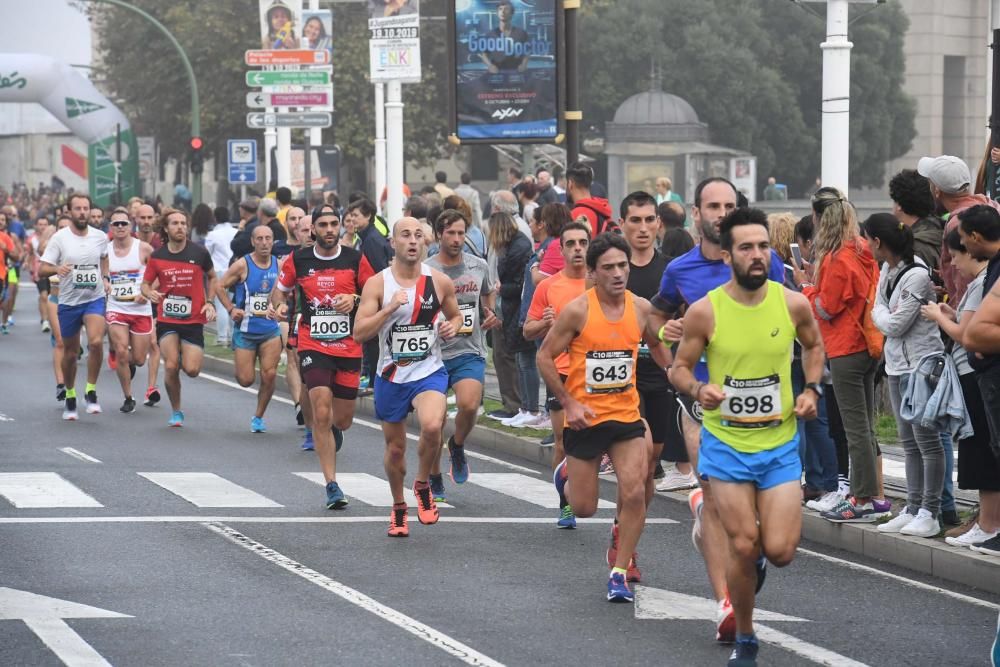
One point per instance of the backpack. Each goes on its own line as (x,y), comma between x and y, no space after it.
(874,338)
(604,223)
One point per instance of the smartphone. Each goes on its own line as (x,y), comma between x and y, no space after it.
(797,254)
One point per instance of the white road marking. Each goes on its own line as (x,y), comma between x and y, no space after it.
(364,487)
(428,634)
(367,424)
(43,615)
(205,489)
(77,454)
(5,418)
(817,654)
(525,488)
(303,519)
(42,489)
(895,577)
(661,604)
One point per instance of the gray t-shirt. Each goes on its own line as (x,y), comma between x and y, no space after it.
(970,302)
(471,277)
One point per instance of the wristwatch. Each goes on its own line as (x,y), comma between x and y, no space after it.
(816,387)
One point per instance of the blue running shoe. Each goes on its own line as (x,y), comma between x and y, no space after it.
(459,465)
(437,489)
(257,425)
(338,437)
(335,499)
(559,477)
(761,567)
(618,590)
(176,419)
(364,382)
(744,653)
(307,444)
(566,518)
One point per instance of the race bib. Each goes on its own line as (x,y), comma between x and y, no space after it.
(177,307)
(257,305)
(85,276)
(124,286)
(412,342)
(751,403)
(328,324)
(609,372)
(470,313)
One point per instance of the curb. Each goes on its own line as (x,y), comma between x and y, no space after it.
(931,557)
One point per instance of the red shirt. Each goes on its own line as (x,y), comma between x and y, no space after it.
(319,280)
(182,280)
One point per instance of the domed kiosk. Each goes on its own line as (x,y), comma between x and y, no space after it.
(658,134)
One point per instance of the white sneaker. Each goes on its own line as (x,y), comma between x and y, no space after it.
(826,502)
(46,327)
(675,480)
(520,416)
(528,420)
(540,421)
(452,414)
(974,536)
(924,525)
(897,524)
(844,489)
(451,399)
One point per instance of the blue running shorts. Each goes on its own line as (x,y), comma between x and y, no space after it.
(394,400)
(766,469)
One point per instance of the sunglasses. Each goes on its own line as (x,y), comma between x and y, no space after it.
(120,223)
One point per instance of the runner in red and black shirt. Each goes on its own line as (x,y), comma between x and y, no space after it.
(184,278)
(326,278)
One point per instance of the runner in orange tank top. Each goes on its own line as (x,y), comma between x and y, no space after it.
(602,330)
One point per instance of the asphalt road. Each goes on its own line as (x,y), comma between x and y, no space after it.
(243,565)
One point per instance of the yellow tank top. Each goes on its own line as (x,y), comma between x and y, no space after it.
(750,357)
(602,363)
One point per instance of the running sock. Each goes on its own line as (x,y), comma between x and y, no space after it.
(619,570)
(746,639)
(399,506)
(309,431)
(71,393)
(91,387)
(562,500)
(421,485)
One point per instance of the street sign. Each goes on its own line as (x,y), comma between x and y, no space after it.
(295,89)
(242,161)
(311,77)
(304,119)
(293,57)
(262,100)
(44,616)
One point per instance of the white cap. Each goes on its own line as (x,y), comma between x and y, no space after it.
(949,173)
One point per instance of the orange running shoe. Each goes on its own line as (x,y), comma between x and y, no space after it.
(399,521)
(632,573)
(427,511)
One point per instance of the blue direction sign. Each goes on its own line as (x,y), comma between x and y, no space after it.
(242,159)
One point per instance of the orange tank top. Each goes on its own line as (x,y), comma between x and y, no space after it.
(602,363)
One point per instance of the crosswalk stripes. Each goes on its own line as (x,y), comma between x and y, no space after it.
(42,489)
(366,488)
(535,491)
(205,489)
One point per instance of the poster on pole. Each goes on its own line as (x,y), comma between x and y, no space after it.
(394,40)
(317,30)
(506,84)
(280,24)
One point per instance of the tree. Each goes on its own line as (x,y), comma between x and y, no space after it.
(752,71)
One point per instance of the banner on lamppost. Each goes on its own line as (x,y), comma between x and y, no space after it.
(506,86)
(394,40)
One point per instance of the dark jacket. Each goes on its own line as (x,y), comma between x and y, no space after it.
(510,270)
(241,244)
(376,253)
(676,242)
(928,234)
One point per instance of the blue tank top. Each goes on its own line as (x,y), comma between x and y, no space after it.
(252,297)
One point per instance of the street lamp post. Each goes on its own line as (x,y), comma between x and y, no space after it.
(195,119)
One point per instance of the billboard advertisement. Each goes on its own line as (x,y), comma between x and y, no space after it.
(506,86)
(394,40)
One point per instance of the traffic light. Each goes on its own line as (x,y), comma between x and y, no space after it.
(197,158)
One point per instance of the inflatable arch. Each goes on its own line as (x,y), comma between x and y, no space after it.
(73,99)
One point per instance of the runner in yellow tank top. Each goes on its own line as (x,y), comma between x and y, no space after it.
(602,330)
(749,441)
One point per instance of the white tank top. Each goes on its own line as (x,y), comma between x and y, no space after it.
(126,278)
(409,347)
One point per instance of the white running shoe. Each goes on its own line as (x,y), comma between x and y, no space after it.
(675,480)
(540,421)
(521,419)
(897,524)
(924,525)
(826,502)
(46,327)
(974,536)
(520,416)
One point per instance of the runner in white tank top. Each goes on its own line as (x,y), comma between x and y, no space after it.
(409,306)
(128,313)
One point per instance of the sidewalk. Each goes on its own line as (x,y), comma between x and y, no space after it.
(928,556)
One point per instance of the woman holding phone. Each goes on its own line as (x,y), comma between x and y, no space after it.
(905,285)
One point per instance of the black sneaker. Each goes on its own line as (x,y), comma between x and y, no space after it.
(131,370)
(744,654)
(659,473)
(950,518)
(128,406)
(69,410)
(550,439)
(500,414)
(152,397)
(60,392)
(299,419)
(990,547)
(761,567)
(93,407)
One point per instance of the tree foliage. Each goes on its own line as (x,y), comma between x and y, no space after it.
(752,69)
